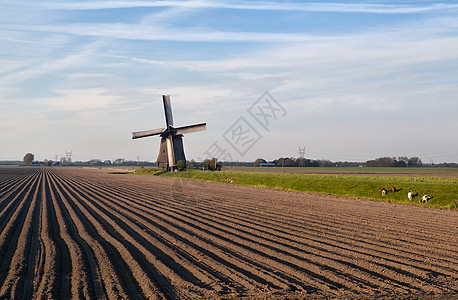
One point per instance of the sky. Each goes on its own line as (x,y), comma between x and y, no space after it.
(347,80)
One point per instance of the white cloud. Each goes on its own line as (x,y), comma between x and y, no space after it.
(66,107)
(80,99)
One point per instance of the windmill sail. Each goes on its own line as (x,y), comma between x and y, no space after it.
(140,134)
(167,110)
(191,128)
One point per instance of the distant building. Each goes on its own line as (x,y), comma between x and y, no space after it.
(267,164)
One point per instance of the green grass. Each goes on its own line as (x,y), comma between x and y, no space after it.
(443,190)
(357,169)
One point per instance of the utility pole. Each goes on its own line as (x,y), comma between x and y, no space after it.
(301,156)
(68,155)
(301,152)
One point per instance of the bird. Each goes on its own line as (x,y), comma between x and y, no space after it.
(410,195)
(424,198)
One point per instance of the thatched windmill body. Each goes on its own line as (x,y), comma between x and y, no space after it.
(171,149)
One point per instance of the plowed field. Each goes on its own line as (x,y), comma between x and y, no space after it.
(81,233)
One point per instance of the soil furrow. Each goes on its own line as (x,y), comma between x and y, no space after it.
(102,265)
(323,249)
(73,233)
(261,230)
(144,241)
(14,201)
(122,259)
(300,227)
(176,220)
(396,270)
(230,276)
(57,269)
(167,227)
(20,273)
(85,281)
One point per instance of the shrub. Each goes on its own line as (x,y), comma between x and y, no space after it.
(181,165)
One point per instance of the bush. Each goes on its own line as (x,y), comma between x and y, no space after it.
(181,165)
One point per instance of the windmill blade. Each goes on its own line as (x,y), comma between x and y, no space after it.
(167,110)
(191,128)
(141,134)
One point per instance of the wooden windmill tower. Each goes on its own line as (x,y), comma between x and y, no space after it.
(171,149)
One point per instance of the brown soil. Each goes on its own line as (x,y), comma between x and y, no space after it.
(81,233)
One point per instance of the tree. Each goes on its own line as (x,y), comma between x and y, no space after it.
(381,162)
(258,162)
(414,162)
(399,164)
(301,162)
(286,162)
(213,165)
(371,163)
(210,164)
(28,159)
(191,164)
(404,159)
(385,162)
(290,162)
(326,163)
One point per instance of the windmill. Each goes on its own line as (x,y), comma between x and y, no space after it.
(171,149)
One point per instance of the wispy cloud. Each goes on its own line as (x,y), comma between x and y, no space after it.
(156,33)
(251,5)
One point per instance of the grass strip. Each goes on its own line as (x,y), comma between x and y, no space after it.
(337,170)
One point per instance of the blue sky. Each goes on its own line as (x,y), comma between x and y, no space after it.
(356,80)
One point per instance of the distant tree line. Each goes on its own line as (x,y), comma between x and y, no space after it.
(212,164)
(400,162)
(29,159)
(116,162)
(445,165)
(304,162)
